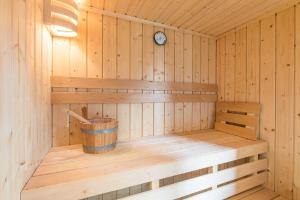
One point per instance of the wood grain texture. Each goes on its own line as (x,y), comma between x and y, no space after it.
(94,83)
(253,56)
(159,75)
(241,119)
(204,76)
(111,98)
(271,79)
(144,69)
(78,69)
(136,73)
(179,66)
(267,91)
(221,66)
(140,159)
(206,17)
(94,57)
(285,80)
(212,78)
(240,71)
(296,189)
(170,77)
(123,72)
(196,79)
(148,74)
(25,70)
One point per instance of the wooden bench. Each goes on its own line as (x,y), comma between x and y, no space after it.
(68,173)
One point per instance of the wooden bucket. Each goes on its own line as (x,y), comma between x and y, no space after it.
(100,136)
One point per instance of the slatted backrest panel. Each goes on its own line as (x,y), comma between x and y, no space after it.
(240,119)
(209,90)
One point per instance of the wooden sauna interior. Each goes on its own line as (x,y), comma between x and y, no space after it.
(212,114)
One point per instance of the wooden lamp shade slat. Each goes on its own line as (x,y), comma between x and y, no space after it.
(61,16)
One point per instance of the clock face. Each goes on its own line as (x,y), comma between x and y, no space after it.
(160,38)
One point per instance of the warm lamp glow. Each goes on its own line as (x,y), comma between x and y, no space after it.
(61,16)
(62,31)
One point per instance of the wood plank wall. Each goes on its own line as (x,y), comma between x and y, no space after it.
(113,48)
(25,108)
(260,62)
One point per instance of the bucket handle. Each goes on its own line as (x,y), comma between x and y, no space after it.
(79,117)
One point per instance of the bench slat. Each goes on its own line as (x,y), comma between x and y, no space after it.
(233,188)
(187,187)
(235,130)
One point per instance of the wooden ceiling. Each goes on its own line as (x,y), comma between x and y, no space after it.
(211,17)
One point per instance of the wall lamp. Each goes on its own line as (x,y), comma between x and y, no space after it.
(61,17)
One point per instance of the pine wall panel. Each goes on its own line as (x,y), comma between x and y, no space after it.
(114,48)
(25,108)
(259,62)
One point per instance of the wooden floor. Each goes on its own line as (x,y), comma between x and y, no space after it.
(68,173)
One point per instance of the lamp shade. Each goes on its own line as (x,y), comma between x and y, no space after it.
(61,16)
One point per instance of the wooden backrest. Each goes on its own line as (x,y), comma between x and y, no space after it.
(74,97)
(240,119)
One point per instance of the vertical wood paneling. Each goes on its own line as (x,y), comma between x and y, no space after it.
(188,78)
(159,76)
(221,64)
(109,70)
(284,102)
(204,79)
(296,188)
(5,60)
(267,91)
(241,65)
(120,49)
(272,73)
(253,53)
(94,57)
(170,76)
(94,45)
(109,59)
(136,73)
(136,64)
(230,67)
(25,115)
(178,78)
(123,70)
(196,79)
(61,63)
(78,69)
(148,69)
(211,78)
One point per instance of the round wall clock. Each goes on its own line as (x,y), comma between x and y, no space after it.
(160,38)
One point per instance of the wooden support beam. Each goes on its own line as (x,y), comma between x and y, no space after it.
(214,170)
(92,97)
(155,184)
(94,83)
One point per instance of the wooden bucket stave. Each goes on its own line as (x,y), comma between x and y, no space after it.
(100,136)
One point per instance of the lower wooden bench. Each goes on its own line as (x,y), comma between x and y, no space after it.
(67,173)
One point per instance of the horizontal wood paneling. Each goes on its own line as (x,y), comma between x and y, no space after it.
(93,98)
(92,83)
(267,60)
(25,107)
